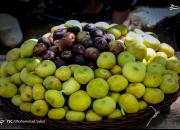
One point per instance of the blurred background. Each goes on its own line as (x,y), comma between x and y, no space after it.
(33,18)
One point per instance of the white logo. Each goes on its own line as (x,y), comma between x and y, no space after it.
(1,122)
(173,7)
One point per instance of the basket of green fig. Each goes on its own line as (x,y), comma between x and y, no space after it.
(90,75)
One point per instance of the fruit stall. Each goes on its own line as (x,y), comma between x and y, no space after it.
(90,75)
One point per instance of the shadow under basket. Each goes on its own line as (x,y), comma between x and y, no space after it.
(137,120)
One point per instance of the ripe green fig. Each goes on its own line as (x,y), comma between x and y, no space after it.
(151,42)
(63,73)
(73,67)
(8,90)
(172,73)
(22,62)
(3,71)
(102,73)
(106,60)
(27,94)
(153,95)
(104,106)
(156,67)
(116,69)
(70,86)
(38,92)
(26,49)
(75,116)
(122,28)
(29,78)
(134,71)
(21,87)
(152,79)
(114,96)
(157,59)
(57,113)
(164,47)
(169,84)
(163,54)
(51,82)
(115,32)
(79,101)
(142,104)
(13,54)
(39,108)
(136,89)
(45,68)
(132,38)
(115,114)
(128,103)
(139,50)
(125,57)
(92,116)
(25,107)
(97,88)
(54,98)
(16,100)
(117,83)
(15,78)
(11,67)
(32,64)
(83,74)
(174,65)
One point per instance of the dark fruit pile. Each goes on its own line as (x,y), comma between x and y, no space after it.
(77,45)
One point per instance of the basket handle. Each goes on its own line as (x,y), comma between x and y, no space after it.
(156,113)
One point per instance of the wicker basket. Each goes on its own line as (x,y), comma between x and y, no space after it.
(137,120)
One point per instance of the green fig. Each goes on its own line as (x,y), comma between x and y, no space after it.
(13,54)
(26,49)
(39,108)
(16,100)
(29,78)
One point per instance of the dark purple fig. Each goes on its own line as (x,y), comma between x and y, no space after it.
(78,49)
(82,35)
(50,38)
(58,34)
(59,62)
(66,55)
(91,54)
(70,39)
(74,30)
(89,27)
(97,33)
(101,44)
(109,37)
(116,47)
(54,49)
(61,44)
(44,41)
(39,49)
(79,59)
(87,43)
(48,55)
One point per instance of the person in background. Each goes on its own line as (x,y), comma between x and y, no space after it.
(119,8)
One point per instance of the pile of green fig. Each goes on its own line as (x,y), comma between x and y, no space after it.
(89,72)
